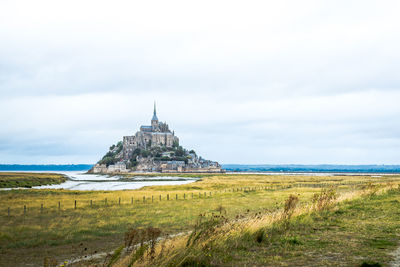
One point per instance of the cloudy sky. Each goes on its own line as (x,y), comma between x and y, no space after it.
(304,82)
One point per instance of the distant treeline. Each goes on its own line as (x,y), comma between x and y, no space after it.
(51,167)
(313,168)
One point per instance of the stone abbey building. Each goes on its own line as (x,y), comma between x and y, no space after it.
(154,148)
(155,135)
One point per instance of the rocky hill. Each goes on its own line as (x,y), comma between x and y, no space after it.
(153,148)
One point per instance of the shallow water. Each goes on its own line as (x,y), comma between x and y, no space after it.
(82,181)
(316,173)
(109,186)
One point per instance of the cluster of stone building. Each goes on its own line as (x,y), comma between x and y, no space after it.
(157,134)
(194,164)
(118,167)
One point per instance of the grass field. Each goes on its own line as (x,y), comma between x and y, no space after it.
(361,231)
(51,226)
(24,179)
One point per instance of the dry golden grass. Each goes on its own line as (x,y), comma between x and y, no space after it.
(177,251)
(257,198)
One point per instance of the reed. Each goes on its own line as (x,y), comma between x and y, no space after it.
(220,242)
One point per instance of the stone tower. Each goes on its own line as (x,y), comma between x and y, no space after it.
(154,120)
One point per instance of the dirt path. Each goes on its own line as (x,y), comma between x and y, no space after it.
(100,256)
(396,259)
(35,256)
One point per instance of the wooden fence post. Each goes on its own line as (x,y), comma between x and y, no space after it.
(152,199)
(144,199)
(24,209)
(75,205)
(105,201)
(176,196)
(59,205)
(119,201)
(167,196)
(160,197)
(41,208)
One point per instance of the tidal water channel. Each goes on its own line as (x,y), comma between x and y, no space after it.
(82,181)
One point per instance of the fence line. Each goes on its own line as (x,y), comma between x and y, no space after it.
(202,195)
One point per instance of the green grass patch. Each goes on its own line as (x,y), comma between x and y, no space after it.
(28,180)
(361,232)
(237,196)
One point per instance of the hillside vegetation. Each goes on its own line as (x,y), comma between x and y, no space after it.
(158,153)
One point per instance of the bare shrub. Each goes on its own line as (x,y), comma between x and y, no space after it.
(135,236)
(131,237)
(290,206)
(325,199)
(288,210)
(145,239)
(152,234)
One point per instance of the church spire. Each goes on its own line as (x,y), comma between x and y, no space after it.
(154,113)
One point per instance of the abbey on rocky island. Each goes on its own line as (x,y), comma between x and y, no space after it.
(155,135)
(154,148)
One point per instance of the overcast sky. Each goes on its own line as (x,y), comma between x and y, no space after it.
(302,82)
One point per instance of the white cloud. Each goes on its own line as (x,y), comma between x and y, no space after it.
(241,82)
